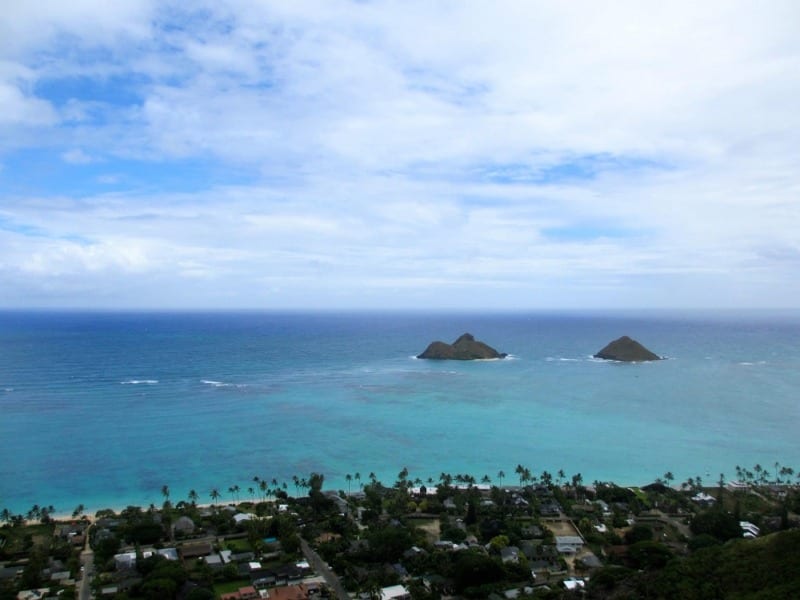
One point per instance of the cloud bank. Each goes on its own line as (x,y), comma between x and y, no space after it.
(503,155)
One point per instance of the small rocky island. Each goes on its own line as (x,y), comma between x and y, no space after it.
(465,347)
(626,349)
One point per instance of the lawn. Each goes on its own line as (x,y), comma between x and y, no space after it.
(240,545)
(229,586)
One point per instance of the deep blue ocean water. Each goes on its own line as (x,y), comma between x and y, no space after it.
(103,409)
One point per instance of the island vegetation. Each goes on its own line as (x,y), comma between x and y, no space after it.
(625,349)
(466,347)
(525,535)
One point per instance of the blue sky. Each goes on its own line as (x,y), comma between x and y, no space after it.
(504,155)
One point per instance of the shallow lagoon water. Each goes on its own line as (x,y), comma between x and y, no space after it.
(103,409)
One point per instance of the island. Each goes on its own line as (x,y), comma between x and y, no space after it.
(466,347)
(626,349)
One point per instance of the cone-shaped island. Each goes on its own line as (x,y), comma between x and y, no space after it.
(626,350)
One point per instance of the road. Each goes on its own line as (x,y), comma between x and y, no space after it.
(320,567)
(84,590)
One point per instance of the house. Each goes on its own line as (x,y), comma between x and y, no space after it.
(737,486)
(196,550)
(240,518)
(550,508)
(590,561)
(127,560)
(183,526)
(341,503)
(604,508)
(574,583)
(509,554)
(33,594)
(214,561)
(749,530)
(262,578)
(703,498)
(243,593)
(168,553)
(395,592)
(532,531)
(569,544)
(289,592)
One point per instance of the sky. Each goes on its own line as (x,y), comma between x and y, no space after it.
(399,155)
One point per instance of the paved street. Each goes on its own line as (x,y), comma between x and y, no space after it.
(84,591)
(320,567)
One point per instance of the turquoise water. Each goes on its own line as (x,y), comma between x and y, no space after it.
(104,409)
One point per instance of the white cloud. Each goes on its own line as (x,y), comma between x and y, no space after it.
(620,153)
(22,109)
(76,156)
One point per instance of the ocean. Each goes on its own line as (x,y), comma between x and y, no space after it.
(104,409)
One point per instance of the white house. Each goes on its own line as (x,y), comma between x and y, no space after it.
(569,544)
(395,592)
(749,530)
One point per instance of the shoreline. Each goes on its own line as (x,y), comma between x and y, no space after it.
(709,483)
(90,514)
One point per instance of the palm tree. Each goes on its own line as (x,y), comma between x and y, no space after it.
(486,479)
(402,476)
(78,511)
(500,475)
(34,513)
(577,483)
(165,492)
(252,493)
(669,477)
(546,478)
(357,477)
(214,495)
(263,487)
(348,478)
(193,497)
(46,511)
(236,490)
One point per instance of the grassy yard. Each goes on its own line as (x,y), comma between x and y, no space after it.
(240,545)
(229,586)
